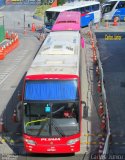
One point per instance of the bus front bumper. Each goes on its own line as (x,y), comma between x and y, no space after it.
(52,149)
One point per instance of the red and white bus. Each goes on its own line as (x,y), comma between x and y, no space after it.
(52,96)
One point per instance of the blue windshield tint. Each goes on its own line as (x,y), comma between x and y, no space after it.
(51,90)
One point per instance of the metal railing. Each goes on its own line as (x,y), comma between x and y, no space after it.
(106,146)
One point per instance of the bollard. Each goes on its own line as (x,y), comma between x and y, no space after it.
(97,71)
(12,35)
(7,35)
(99,87)
(2,127)
(103,141)
(33,28)
(93,55)
(4,50)
(100,150)
(115,22)
(106,24)
(24,32)
(103,124)
(90,34)
(14,116)
(100,109)
(19,96)
(95,60)
(2,56)
(12,44)
(103,117)
(96,26)
(92,43)
(8,48)
(17,40)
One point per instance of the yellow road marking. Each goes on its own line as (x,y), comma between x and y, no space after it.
(3,140)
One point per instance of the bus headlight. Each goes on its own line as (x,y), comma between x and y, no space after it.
(73,141)
(31,142)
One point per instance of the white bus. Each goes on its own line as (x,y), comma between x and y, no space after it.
(112,9)
(90,12)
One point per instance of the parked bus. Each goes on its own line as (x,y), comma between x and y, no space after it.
(112,9)
(67,20)
(51,100)
(90,12)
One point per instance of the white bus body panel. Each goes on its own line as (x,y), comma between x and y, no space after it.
(59,54)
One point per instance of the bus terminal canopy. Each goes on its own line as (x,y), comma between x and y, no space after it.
(51,90)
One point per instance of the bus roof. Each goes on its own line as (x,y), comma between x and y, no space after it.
(112,0)
(68,20)
(59,54)
(69,6)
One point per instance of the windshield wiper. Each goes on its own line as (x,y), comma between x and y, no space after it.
(41,128)
(58,129)
(60,109)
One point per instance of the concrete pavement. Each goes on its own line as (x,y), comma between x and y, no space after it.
(12,69)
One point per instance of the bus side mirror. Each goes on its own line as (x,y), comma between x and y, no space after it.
(17,113)
(82,42)
(85,109)
(19,96)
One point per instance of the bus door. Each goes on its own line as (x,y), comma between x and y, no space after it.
(120,10)
(97,13)
(108,10)
(86,16)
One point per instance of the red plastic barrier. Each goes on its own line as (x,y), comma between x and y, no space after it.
(2,56)
(101,109)
(11,45)
(99,87)
(7,36)
(2,127)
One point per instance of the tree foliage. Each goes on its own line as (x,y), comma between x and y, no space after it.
(61,2)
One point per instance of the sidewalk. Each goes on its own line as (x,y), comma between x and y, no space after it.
(90,124)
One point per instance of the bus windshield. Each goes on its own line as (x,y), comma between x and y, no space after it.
(50,17)
(108,7)
(51,119)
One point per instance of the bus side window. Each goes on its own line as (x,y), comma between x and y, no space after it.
(80,10)
(83,10)
(87,9)
(107,9)
(121,4)
(95,7)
